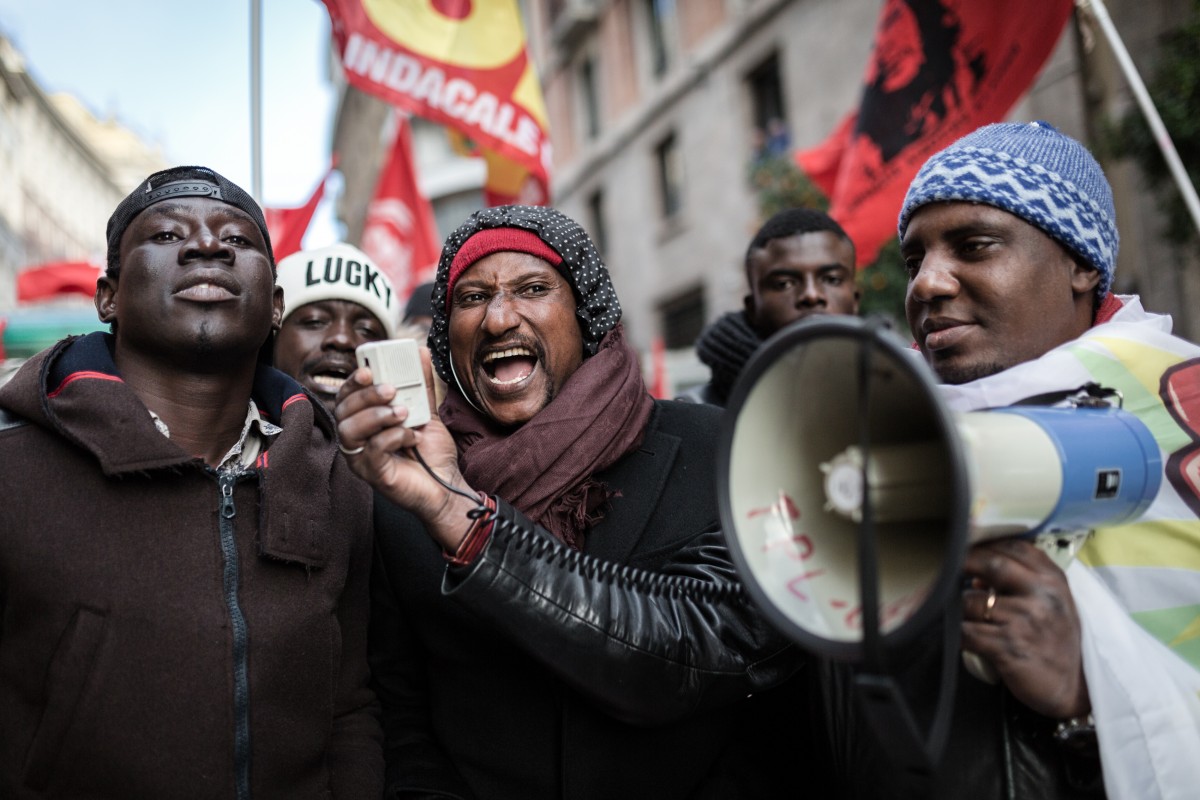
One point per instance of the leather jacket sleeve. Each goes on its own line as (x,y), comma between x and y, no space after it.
(649,648)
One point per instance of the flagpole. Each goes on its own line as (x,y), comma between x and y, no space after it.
(256,100)
(1100,13)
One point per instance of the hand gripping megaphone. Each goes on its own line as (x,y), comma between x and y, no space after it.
(849,492)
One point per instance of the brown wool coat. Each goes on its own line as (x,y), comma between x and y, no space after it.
(117,639)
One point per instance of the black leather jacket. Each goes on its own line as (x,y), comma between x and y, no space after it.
(997,748)
(540,672)
(687,639)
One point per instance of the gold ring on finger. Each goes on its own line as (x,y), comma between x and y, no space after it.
(991,603)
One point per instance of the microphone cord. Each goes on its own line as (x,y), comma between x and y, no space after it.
(527,537)
(475,513)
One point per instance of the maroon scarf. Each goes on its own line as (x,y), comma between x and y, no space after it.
(545,468)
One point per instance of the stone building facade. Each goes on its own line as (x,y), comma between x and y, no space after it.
(64,173)
(655,106)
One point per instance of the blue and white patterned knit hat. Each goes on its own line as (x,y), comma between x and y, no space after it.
(1034,172)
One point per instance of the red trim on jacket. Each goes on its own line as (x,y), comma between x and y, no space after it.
(74,376)
(291,400)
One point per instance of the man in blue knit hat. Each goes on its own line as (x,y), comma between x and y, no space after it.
(1009,240)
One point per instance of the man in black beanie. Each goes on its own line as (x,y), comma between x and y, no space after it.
(518,648)
(418,313)
(183,554)
(799,264)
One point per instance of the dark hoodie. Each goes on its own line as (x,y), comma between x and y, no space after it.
(168,631)
(725,346)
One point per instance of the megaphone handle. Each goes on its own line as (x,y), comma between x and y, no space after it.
(868,555)
(1061,546)
(890,717)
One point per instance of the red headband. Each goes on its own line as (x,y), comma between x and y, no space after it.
(497,240)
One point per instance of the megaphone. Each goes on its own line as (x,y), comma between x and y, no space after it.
(849,494)
(836,440)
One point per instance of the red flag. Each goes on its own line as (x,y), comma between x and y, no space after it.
(507,181)
(459,63)
(44,281)
(939,70)
(658,363)
(400,233)
(287,226)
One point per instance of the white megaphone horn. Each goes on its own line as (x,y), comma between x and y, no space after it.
(835,435)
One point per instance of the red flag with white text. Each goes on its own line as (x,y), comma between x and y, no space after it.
(400,234)
(287,226)
(460,63)
(939,70)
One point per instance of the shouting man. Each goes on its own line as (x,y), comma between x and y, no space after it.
(517,649)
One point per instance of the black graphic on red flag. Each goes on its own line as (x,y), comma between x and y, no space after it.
(939,69)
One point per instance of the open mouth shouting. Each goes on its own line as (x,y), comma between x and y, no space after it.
(326,377)
(514,336)
(511,381)
(510,367)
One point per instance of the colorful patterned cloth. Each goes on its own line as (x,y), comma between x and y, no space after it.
(1137,586)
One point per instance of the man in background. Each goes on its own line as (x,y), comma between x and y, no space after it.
(799,264)
(418,312)
(334,299)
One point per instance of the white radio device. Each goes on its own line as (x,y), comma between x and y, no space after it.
(398,362)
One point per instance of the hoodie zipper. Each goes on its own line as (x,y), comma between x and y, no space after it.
(241,683)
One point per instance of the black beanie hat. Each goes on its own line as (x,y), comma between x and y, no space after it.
(180,182)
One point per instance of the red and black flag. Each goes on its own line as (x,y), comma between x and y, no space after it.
(939,70)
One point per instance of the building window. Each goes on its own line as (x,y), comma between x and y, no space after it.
(599,229)
(770,116)
(682,319)
(659,13)
(670,176)
(591,98)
